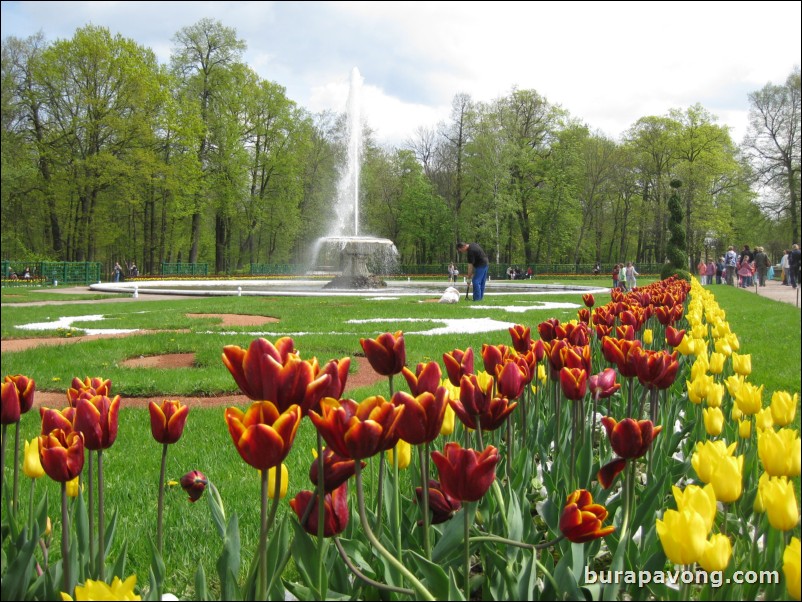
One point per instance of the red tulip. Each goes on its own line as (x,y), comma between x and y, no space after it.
(603,385)
(630,438)
(547,329)
(358,430)
(263,436)
(442,505)
(334,386)
(335,511)
(57,419)
(625,332)
(387,353)
(458,364)
(573,382)
(167,420)
(336,469)
(521,338)
(62,454)
(512,377)
(87,389)
(583,315)
(619,352)
(492,356)
(588,300)
(194,483)
(423,415)
(425,379)
(464,473)
(674,337)
(610,471)
(17,394)
(657,369)
(96,418)
(581,519)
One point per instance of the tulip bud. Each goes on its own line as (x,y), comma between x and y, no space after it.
(271,482)
(31,465)
(73,487)
(745,429)
(716,554)
(714,421)
(194,483)
(783,407)
(404,454)
(780,502)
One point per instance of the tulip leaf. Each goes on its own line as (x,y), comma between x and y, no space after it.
(566,581)
(15,580)
(527,577)
(515,524)
(201,590)
(551,514)
(434,577)
(218,515)
(449,543)
(82,528)
(122,558)
(228,563)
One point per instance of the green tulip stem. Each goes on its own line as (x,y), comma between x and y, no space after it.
(364,578)
(423,452)
(65,540)
(262,593)
(101,522)
(467,509)
(630,394)
(91,510)
(420,589)
(30,505)
(15,499)
(517,544)
(574,420)
(321,511)
(3,461)
(379,492)
(160,510)
(396,505)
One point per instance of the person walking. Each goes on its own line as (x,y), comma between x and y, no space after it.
(720,270)
(701,270)
(477,267)
(784,266)
(118,271)
(711,271)
(631,274)
(794,261)
(453,272)
(761,265)
(731,263)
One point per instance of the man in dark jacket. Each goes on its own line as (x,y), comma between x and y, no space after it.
(794,261)
(477,267)
(761,265)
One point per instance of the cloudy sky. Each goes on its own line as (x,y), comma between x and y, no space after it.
(607,63)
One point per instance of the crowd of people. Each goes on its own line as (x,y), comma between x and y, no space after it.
(750,267)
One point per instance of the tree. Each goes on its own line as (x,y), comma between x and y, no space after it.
(675,250)
(773,143)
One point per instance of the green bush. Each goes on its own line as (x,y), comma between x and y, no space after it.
(669,270)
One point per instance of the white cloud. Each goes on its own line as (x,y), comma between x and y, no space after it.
(608,63)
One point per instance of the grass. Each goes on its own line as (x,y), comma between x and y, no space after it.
(320,327)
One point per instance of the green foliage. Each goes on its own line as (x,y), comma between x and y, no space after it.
(675,251)
(669,270)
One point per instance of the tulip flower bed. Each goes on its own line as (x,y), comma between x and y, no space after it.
(624,454)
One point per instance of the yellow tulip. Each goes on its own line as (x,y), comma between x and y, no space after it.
(783,407)
(717,362)
(734,384)
(791,568)
(721,329)
(698,388)
(541,373)
(648,336)
(714,421)
(485,380)
(98,590)
(448,421)
(682,535)
(733,341)
(736,413)
(701,500)
(763,419)
(404,454)
(31,465)
(707,455)
(715,395)
(742,364)
(780,502)
(685,346)
(717,553)
(699,346)
(723,347)
(73,487)
(780,452)
(749,398)
(759,505)
(699,331)
(727,478)
(699,367)
(285,480)
(745,428)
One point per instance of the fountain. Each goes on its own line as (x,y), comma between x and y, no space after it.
(354,255)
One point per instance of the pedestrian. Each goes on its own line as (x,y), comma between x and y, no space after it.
(631,274)
(761,265)
(784,266)
(477,267)
(616,275)
(701,269)
(720,270)
(711,271)
(133,270)
(794,261)
(744,272)
(118,271)
(453,272)
(731,263)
